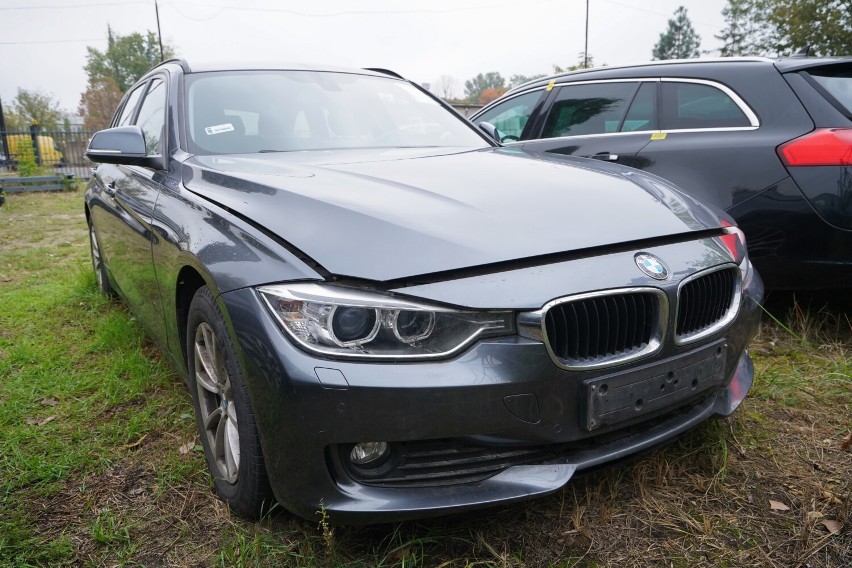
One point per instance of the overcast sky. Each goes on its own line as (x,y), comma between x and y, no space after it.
(43,42)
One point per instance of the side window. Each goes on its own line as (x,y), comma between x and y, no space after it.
(510,116)
(588,109)
(642,114)
(694,105)
(127,111)
(152,116)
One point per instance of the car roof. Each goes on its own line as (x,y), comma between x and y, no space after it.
(784,64)
(203,66)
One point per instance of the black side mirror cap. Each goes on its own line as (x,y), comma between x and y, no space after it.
(123,145)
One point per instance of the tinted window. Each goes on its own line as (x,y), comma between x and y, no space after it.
(693,105)
(838,82)
(152,116)
(280,111)
(588,109)
(511,116)
(642,114)
(127,111)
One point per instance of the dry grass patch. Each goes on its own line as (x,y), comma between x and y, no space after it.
(116,479)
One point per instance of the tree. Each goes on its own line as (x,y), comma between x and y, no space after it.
(680,40)
(490,94)
(747,29)
(516,80)
(446,87)
(30,107)
(581,64)
(126,58)
(98,103)
(782,27)
(474,88)
(825,25)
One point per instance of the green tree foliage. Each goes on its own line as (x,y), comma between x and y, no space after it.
(746,29)
(516,80)
(581,64)
(783,27)
(473,88)
(680,40)
(98,103)
(126,58)
(33,106)
(825,25)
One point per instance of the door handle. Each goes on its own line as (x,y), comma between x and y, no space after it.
(606,156)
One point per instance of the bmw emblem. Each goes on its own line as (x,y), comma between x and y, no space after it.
(652,266)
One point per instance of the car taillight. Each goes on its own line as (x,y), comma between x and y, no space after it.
(822,147)
(734,241)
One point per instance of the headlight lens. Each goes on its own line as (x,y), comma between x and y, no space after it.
(360,324)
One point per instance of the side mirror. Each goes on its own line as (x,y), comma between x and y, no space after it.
(123,145)
(491,131)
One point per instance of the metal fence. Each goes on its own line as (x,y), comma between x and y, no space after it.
(55,151)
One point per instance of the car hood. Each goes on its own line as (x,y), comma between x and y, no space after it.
(392,214)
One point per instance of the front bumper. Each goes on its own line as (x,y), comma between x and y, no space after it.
(501,394)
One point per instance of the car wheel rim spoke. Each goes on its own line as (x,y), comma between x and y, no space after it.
(96,255)
(218,413)
(207,372)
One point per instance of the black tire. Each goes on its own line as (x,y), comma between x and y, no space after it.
(220,398)
(98,265)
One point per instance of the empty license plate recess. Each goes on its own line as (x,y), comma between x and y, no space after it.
(631,394)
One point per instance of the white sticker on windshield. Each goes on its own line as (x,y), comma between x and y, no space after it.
(219,129)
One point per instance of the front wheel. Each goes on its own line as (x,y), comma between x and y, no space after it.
(223,411)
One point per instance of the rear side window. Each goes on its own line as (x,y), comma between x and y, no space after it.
(152,116)
(695,105)
(588,109)
(511,116)
(838,83)
(127,111)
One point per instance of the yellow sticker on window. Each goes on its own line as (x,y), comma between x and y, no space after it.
(658,136)
(550,85)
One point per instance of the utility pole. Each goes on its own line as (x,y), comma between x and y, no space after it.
(160,35)
(586,49)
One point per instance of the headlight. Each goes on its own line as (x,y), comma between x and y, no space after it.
(352,323)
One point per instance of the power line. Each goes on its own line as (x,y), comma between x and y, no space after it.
(52,41)
(66,6)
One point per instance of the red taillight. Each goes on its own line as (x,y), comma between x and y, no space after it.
(734,241)
(822,147)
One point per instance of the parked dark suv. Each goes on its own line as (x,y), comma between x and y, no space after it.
(770,141)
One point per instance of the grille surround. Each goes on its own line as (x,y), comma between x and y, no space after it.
(534,325)
(712,277)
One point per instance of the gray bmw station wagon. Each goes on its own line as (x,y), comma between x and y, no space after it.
(382,313)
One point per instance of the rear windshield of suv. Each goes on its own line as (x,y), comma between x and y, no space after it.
(838,83)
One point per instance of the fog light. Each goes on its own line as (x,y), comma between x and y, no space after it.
(366,453)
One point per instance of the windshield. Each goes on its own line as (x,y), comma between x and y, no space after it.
(240,112)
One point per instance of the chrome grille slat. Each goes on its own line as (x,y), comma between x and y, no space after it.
(601,328)
(707,302)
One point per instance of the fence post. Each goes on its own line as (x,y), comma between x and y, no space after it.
(34,136)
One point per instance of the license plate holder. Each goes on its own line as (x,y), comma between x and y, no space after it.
(628,395)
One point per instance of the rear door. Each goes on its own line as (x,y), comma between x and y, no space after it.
(123,223)
(605,120)
(711,143)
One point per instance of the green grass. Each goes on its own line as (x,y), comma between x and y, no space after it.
(93,420)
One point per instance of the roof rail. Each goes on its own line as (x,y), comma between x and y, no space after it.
(182,62)
(384,72)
